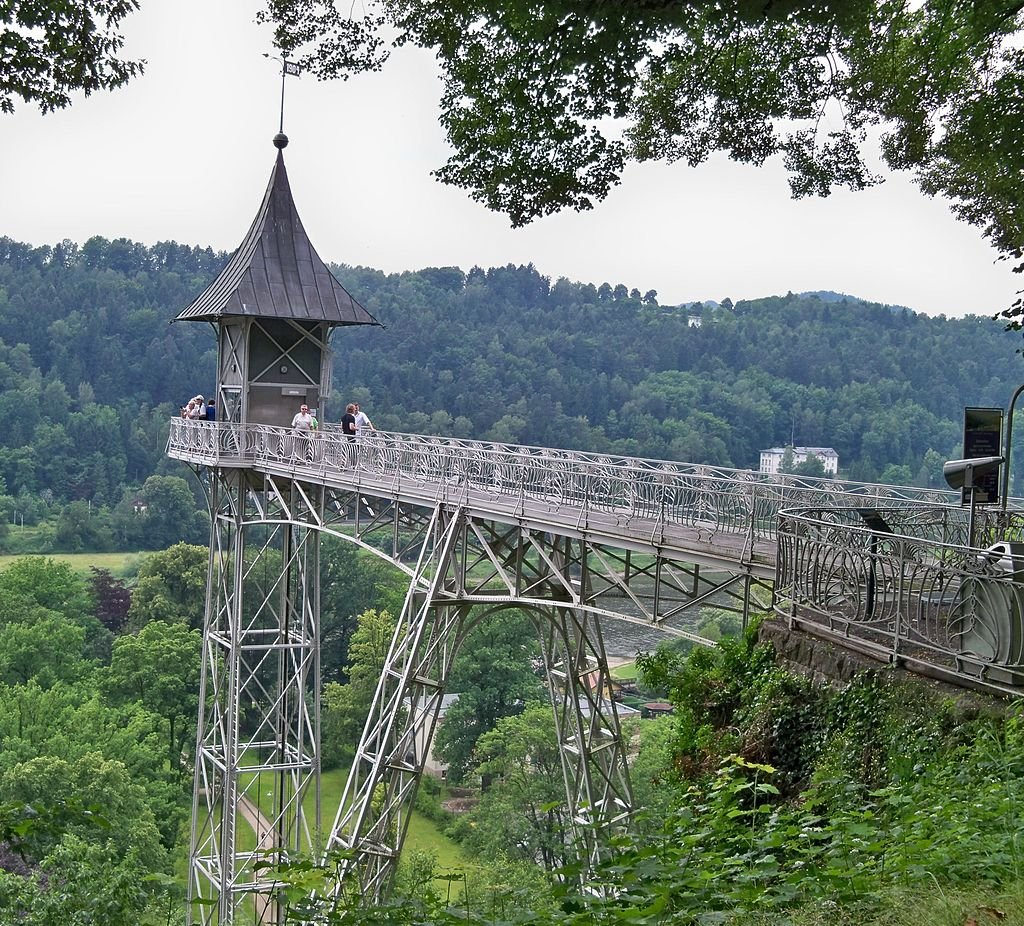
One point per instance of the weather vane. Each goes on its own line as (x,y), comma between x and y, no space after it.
(291,68)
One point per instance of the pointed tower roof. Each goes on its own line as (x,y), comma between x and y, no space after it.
(276,272)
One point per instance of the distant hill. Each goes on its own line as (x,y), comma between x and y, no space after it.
(90,369)
(510,355)
(826,295)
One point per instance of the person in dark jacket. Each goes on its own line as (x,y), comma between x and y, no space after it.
(348,428)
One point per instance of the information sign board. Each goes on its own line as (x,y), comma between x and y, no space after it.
(983,436)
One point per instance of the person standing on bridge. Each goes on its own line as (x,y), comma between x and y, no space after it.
(303,425)
(363,423)
(363,427)
(348,429)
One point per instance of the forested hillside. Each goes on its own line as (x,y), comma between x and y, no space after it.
(90,370)
(506,355)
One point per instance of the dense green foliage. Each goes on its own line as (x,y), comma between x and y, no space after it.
(351,584)
(90,372)
(91,728)
(495,678)
(346,705)
(99,694)
(51,50)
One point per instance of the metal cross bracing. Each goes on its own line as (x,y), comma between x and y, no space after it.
(574,539)
(258,736)
(644,585)
(444,603)
(258,741)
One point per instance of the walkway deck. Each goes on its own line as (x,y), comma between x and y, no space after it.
(714,516)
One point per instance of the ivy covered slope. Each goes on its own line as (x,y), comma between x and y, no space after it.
(771,800)
(91,369)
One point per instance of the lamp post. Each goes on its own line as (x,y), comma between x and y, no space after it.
(874,521)
(1006,449)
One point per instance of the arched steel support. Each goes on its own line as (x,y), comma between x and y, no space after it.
(374,813)
(256,797)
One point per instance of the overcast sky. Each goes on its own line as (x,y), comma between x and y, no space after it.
(184,153)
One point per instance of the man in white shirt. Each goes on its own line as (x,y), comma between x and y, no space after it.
(363,423)
(363,427)
(302,428)
(302,423)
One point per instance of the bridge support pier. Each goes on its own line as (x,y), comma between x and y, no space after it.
(593,753)
(258,735)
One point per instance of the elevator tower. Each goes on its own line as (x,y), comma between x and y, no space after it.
(257,766)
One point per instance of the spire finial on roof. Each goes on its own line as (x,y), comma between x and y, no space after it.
(276,272)
(287,68)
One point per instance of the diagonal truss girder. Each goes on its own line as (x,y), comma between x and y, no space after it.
(371,823)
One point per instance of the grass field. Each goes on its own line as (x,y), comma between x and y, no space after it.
(625,672)
(423,834)
(121,565)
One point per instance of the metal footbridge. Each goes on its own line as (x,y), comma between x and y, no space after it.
(579,541)
(654,519)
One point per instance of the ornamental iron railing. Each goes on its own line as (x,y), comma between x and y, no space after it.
(718,500)
(905,585)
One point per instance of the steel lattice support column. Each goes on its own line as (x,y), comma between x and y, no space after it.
(594,760)
(597,783)
(257,766)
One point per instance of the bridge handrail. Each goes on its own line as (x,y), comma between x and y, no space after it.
(743,502)
(845,488)
(912,590)
(230,437)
